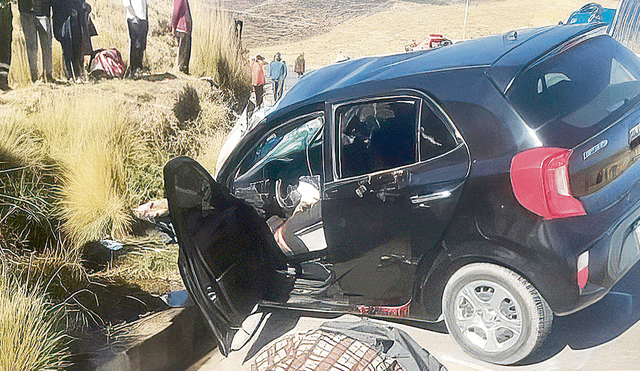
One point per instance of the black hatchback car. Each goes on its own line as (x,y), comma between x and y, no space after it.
(491,183)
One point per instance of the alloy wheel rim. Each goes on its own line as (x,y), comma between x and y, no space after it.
(487,316)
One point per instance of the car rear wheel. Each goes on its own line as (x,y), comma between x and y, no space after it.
(495,314)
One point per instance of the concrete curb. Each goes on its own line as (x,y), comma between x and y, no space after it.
(170,340)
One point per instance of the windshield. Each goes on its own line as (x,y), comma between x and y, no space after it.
(579,86)
(282,143)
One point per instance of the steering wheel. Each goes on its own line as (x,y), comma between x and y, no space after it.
(292,198)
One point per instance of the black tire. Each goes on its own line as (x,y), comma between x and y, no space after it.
(484,303)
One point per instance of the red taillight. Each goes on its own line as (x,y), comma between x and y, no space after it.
(540,182)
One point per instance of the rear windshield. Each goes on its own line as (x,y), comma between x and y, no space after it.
(579,86)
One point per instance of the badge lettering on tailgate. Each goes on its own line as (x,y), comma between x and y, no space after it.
(634,133)
(592,151)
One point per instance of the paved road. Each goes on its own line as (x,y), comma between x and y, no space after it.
(604,336)
(292,79)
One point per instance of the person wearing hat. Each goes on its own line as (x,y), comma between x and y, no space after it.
(257,79)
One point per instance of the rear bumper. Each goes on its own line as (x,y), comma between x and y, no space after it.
(611,254)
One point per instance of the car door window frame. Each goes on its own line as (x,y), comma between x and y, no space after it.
(419,99)
(338,131)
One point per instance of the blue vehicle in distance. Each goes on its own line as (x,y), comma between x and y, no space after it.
(592,12)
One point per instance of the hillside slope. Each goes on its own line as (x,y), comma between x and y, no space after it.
(269,22)
(388,30)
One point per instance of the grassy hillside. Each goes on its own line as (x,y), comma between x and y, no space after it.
(387,31)
(76,159)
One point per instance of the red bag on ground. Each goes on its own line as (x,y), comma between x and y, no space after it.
(107,63)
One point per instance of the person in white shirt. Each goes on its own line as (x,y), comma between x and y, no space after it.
(136,11)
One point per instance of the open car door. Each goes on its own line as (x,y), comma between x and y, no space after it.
(229,259)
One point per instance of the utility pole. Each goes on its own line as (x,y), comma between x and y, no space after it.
(464,26)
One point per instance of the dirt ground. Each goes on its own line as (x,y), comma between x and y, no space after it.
(373,27)
(269,22)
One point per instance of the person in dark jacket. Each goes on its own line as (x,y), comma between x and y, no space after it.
(35,18)
(6,30)
(61,11)
(136,12)
(182,26)
(73,28)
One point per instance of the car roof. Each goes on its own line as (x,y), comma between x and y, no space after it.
(509,53)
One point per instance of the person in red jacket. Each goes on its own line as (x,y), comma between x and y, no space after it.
(257,79)
(181,22)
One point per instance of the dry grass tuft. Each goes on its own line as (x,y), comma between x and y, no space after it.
(187,105)
(18,148)
(75,163)
(30,335)
(150,265)
(27,215)
(26,193)
(97,149)
(57,270)
(19,70)
(211,146)
(216,51)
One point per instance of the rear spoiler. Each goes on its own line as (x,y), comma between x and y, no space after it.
(626,25)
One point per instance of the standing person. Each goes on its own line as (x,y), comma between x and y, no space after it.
(136,11)
(61,13)
(181,23)
(299,67)
(35,18)
(278,74)
(73,28)
(86,29)
(239,24)
(257,79)
(6,29)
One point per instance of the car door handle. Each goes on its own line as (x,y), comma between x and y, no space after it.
(422,199)
(361,190)
(362,186)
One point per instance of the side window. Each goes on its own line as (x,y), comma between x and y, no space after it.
(376,135)
(435,138)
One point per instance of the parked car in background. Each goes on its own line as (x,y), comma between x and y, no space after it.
(592,12)
(432,42)
(492,184)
